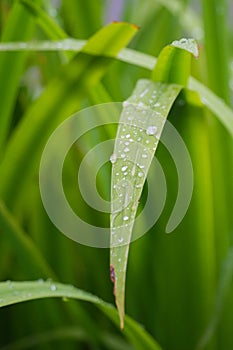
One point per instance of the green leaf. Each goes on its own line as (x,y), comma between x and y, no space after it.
(217,48)
(140,127)
(109,340)
(59,100)
(45,22)
(189,20)
(11,66)
(174,61)
(214,103)
(223,290)
(44,45)
(26,249)
(17,292)
(75,14)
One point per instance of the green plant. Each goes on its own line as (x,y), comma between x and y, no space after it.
(179,285)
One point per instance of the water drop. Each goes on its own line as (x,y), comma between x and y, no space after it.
(120,240)
(53,287)
(11,284)
(141,105)
(123,155)
(125,218)
(127,143)
(140,174)
(151,130)
(144,93)
(144,156)
(113,158)
(126,149)
(124,168)
(126,104)
(127,136)
(139,186)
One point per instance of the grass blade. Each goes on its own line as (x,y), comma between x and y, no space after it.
(76,22)
(60,99)
(141,125)
(140,128)
(189,20)
(46,23)
(17,292)
(25,247)
(174,62)
(110,341)
(214,103)
(217,45)
(11,66)
(222,291)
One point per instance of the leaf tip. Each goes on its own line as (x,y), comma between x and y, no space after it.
(135,26)
(119,302)
(189,45)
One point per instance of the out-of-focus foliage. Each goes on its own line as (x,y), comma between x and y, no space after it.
(179,286)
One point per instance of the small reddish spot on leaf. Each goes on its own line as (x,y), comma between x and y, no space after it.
(132,24)
(112,274)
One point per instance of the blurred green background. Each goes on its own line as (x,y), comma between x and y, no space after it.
(179,286)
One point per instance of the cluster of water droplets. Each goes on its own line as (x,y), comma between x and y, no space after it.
(139,131)
(189,45)
(15,293)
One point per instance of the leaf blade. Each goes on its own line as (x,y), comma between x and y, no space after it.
(45,114)
(139,131)
(11,66)
(24,246)
(17,292)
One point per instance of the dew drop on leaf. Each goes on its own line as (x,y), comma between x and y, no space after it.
(151,130)
(53,287)
(113,158)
